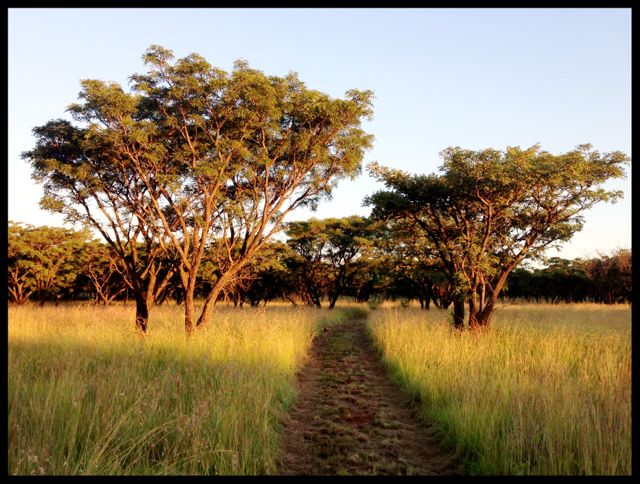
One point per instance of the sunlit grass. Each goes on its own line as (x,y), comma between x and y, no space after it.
(546,391)
(88,396)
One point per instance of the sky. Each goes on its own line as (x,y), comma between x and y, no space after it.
(473,78)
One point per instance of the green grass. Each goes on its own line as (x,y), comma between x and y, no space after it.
(546,391)
(88,396)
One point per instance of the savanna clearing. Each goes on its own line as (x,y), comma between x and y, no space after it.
(546,390)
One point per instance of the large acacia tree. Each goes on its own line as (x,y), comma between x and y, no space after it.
(490,209)
(203,159)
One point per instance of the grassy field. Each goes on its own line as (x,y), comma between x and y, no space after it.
(88,396)
(547,391)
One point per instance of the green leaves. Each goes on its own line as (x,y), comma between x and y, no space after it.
(490,209)
(329,252)
(42,259)
(194,156)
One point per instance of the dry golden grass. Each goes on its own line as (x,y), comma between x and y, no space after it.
(546,391)
(88,396)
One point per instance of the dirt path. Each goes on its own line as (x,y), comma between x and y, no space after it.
(351,419)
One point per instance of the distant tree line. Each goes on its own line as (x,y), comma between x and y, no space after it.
(320,261)
(603,279)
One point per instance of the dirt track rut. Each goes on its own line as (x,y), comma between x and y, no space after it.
(351,419)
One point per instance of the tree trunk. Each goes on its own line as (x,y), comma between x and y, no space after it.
(315,299)
(19,296)
(484,317)
(474,322)
(291,300)
(478,319)
(458,312)
(209,302)
(163,297)
(188,313)
(188,280)
(142,313)
(314,296)
(221,284)
(40,293)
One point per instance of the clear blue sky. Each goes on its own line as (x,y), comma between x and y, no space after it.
(473,78)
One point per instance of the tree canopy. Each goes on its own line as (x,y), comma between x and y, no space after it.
(490,209)
(189,173)
(195,157)
(42,260)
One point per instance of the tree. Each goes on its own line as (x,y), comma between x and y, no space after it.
(349,240)
(104,271)
(89,179)
(307,241)
(490,209)
(610,276)
(20,283)
(563,280)
(328,251)
(521,284)
(410,259)
(268,276)
(196,158)
(42,260)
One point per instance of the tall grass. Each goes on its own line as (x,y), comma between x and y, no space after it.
(546,391)
(88,396)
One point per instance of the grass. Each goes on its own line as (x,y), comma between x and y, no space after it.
(547,391)
(88,396)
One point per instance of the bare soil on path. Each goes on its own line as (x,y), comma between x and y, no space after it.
(350,419)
